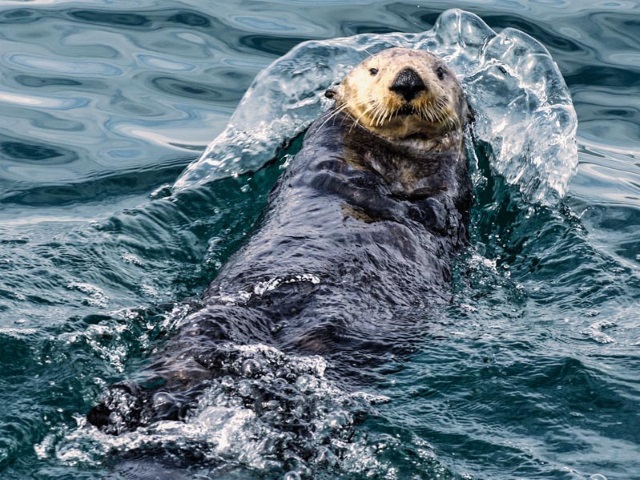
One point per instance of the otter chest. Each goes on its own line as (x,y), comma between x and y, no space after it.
(407,176)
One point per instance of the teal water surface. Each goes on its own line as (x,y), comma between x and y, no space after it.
(531,372)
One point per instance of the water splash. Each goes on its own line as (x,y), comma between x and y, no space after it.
(268,411)
(523,107)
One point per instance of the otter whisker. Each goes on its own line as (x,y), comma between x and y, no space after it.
(380,116)
(388,114)
(357,120)
(384,117)
(371,110)
(374,117)
(334,114)
(377,114)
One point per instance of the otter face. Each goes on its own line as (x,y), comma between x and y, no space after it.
(401,93)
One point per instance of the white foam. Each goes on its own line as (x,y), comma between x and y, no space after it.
(264,410)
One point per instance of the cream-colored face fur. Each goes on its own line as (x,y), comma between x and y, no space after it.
(367,95)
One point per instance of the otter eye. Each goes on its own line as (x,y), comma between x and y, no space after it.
(440,72)
(373,71)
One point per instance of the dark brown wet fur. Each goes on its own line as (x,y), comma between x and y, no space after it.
(359,235)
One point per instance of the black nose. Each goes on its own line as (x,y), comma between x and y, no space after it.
(408,84)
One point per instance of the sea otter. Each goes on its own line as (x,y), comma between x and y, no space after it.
(359,231)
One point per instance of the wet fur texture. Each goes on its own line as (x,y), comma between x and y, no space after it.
(439,109)
(358,236)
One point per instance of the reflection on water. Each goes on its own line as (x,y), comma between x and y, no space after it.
(528,373)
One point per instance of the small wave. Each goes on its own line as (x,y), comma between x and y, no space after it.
(523,107)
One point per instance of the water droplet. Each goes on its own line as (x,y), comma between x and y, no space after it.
(245,389)
(227,381)
(161,399)
(251,368)
(306,383)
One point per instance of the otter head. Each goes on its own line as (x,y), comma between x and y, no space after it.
(401,94)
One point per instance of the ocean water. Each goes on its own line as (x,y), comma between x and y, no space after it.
(107,236)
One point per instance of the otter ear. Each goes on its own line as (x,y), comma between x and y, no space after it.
(334,92)
(330,93)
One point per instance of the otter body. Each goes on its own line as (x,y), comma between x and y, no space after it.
(359,233)
(344,239)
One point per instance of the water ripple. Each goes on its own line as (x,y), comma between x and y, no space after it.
(530,372)
(68,67)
